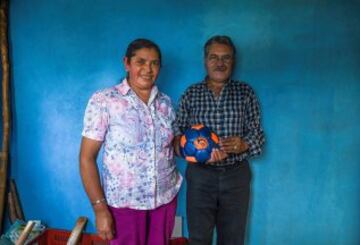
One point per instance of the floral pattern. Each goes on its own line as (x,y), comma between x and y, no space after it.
(139,168)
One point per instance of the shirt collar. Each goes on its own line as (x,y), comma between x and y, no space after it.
(124,88)
(225,86)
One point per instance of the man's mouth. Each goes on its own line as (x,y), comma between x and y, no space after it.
(221,69)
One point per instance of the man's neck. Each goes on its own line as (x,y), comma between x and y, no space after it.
(215,86)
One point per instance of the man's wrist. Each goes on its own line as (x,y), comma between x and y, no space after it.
(244,146)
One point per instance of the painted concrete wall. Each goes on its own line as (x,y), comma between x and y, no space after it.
(302,57)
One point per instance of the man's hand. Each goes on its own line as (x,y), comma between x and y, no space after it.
(104,222)
(233,144)
(217,155)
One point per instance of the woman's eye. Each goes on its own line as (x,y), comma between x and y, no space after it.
(140,62)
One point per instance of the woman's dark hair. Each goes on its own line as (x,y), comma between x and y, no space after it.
(139,44)
(220,40)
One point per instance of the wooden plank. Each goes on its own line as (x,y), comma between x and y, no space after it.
(3,178)
(15,196)
(11,207)
(4,154)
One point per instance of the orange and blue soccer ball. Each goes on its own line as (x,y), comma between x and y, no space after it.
(197,143)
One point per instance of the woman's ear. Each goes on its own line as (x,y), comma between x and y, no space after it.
(126,63)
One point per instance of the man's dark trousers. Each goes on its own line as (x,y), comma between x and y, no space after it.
(217,196)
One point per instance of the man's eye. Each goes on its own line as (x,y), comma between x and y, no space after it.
(213,57)
(227,58)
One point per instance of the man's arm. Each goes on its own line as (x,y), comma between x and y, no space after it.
(181,122)
(253,139)
(91,181)
(254,134)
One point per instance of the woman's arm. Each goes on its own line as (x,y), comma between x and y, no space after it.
(91,181)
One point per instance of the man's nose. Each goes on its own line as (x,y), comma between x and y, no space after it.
(220,61)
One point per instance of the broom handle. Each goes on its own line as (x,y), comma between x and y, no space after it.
(77,230)
(24,235)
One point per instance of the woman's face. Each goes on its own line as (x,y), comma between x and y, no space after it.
(143,68)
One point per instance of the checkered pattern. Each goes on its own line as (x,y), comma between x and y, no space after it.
(235,112)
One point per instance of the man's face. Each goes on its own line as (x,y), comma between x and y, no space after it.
(219,62)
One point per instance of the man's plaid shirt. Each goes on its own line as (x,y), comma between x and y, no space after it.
(235,112)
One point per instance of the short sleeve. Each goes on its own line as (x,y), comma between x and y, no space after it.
(96,118)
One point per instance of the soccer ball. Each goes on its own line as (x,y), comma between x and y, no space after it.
(197,143)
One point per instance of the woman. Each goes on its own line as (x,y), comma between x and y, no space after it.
(136,202)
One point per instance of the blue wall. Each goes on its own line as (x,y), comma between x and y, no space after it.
(302,57)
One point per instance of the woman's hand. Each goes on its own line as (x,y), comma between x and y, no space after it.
(104,222)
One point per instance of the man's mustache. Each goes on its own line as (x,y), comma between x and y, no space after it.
(220,68)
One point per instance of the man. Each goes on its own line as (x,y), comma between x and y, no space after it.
(218,192)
